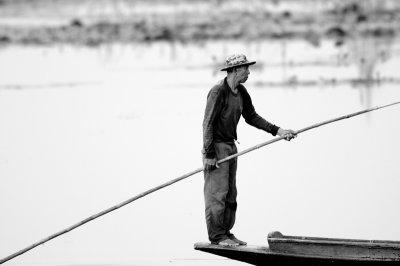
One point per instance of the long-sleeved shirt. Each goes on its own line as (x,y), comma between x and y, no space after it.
(222,114)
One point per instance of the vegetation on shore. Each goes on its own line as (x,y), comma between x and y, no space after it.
(187,21)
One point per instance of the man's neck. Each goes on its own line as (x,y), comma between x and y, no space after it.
(232,83)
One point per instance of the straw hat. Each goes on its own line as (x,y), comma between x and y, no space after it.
(236,60)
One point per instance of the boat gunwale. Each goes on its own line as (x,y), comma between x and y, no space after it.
(335,241)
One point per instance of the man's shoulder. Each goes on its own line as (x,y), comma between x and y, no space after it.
(217,88)
(242,89)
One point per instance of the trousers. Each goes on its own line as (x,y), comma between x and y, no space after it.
(220,194)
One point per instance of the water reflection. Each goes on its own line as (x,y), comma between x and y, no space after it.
(367,54)
(361,63)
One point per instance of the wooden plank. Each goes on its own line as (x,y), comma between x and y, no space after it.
(277,234)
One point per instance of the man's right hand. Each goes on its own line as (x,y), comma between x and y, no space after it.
(288,134)
(210,164)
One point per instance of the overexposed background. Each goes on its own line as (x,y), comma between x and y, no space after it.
(84,128)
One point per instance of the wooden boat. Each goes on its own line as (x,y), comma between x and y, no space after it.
(298,250)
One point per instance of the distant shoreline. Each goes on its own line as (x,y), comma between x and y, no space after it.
(60,22)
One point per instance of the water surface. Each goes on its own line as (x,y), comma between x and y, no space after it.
(82,129)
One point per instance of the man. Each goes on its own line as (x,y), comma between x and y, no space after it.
(226,102)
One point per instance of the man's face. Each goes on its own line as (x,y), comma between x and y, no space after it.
(242,73)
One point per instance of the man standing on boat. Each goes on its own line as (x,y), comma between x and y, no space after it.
(226,102)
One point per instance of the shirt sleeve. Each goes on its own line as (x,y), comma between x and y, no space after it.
(208,123)
(252,118)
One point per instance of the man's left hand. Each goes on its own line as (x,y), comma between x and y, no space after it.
(288,134)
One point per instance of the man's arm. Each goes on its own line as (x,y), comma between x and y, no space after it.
(252,118)
(208,123)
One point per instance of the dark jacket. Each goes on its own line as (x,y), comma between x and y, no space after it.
(216,100)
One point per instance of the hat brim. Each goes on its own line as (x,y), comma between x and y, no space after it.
(239,65)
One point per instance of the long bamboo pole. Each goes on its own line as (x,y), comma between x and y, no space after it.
(141,195)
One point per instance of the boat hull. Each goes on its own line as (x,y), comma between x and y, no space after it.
(265,256)
(311,251)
